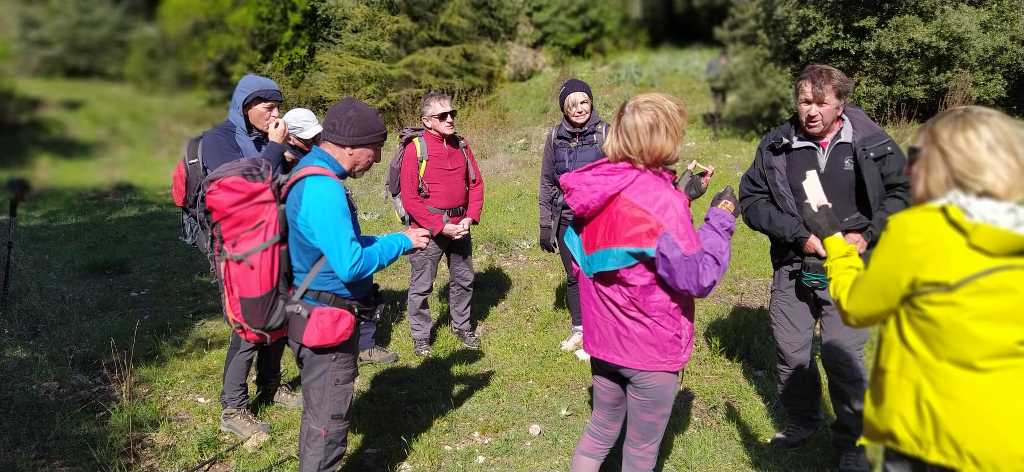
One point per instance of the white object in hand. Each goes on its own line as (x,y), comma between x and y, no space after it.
(815,193)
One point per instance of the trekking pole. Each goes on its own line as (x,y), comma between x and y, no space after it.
(18,188)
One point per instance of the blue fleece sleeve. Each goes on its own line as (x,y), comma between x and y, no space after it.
(325,210)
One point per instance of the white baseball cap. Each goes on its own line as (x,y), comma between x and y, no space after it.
(302,123)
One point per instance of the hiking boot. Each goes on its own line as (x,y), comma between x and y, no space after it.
(421,347)
(377,355)
(795,435)
(853,459)
(468,338)
(241,422)
(574,341)
(287,397)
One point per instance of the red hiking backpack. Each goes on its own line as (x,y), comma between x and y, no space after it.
(415,135)
(187,192)
(245,202)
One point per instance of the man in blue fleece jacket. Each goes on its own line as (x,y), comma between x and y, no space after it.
(322,221)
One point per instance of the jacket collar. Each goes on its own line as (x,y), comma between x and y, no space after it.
(318,157)
(566,129)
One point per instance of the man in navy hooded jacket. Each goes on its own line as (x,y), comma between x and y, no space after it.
(252,129)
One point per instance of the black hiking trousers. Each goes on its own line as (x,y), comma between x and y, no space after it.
(794,310)
(239,359)
(572,285)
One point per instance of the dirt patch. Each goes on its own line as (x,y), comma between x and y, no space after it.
(750,292)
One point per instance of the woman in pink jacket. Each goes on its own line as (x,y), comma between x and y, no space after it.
(640,264)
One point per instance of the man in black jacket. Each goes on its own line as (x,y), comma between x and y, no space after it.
(862,172)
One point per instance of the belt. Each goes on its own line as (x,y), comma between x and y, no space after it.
(447,212)
(358,308)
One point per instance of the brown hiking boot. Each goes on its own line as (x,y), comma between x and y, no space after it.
(421,347)
(468,338)
(283,396)
(287,397)
(241,422)
(377,355)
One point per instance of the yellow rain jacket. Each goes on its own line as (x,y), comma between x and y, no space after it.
(947,386)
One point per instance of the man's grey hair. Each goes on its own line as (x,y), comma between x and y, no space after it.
(431,98)
(820,77)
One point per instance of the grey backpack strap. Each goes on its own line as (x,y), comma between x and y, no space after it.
(299,292)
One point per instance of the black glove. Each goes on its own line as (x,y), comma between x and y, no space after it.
(726,200)
(822,223)
(692,184)
(547,242)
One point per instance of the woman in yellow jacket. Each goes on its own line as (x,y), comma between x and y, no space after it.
(946,284)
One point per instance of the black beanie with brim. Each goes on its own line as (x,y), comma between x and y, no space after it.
(351,122)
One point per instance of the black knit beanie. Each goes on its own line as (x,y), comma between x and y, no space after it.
(351,122)
(571,86)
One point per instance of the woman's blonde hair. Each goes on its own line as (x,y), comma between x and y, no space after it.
(574,100)
(974,149)
(647,130)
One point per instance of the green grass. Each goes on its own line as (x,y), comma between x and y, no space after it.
(113,348)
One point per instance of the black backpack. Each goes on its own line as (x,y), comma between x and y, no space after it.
(188,193)
(414,135)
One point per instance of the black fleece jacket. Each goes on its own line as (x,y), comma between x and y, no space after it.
(767,202)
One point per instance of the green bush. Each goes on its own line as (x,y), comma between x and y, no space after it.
(570,27)
(388,52)
(73,37)
(908,59)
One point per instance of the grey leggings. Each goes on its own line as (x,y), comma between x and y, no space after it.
(643,399)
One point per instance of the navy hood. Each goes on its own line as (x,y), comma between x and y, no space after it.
(247,88)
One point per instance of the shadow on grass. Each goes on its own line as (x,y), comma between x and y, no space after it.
(403,402)
(559,302)
(490,287)
(25,134)
(394,310)
(99,283)
(745,336)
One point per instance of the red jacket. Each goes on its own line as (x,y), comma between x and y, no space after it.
(446,180)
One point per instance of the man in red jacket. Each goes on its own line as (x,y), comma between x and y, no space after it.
(446,198)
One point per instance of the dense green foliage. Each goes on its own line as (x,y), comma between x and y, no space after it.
(386,51)
(908,58)
(73,37)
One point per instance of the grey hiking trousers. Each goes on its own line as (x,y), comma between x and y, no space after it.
(794,310)
(424,264)
(328,377)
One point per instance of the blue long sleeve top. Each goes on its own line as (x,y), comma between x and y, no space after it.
(321,220)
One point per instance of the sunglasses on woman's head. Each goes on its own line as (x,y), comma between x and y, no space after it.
(443,116)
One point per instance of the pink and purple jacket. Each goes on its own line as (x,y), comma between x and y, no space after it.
(640,263)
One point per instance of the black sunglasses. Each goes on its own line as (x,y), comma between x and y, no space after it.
(443,116)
